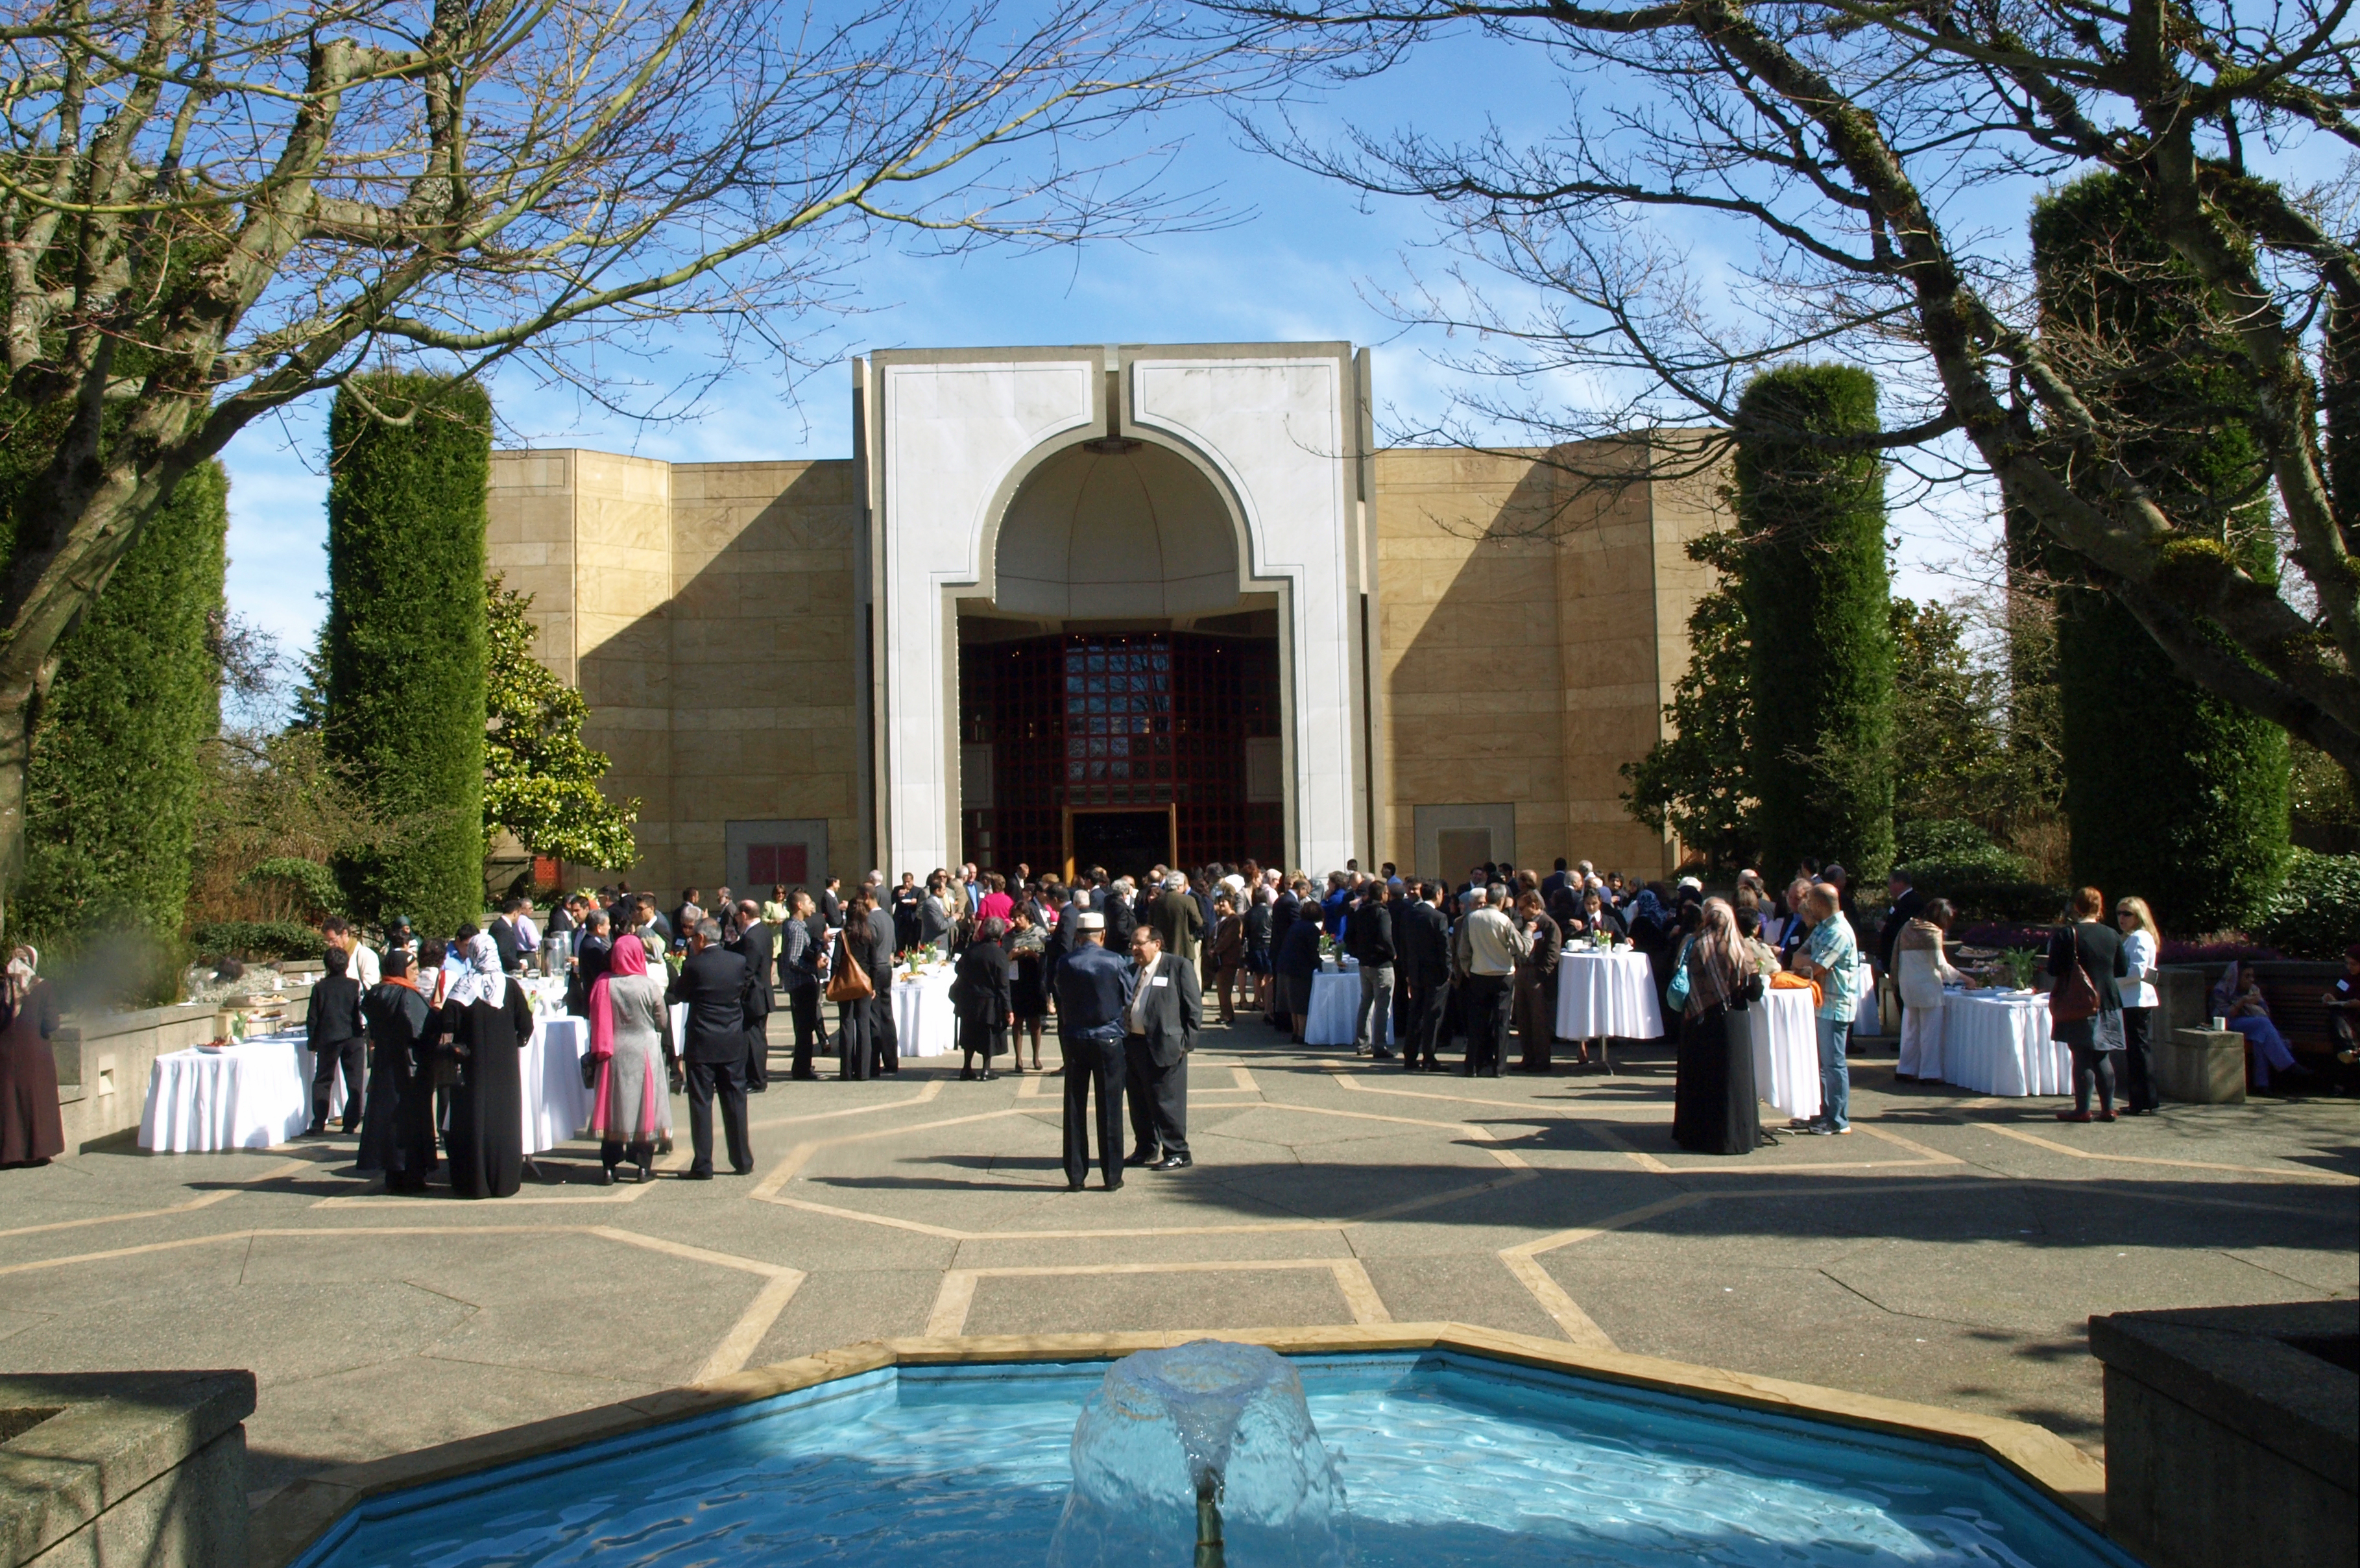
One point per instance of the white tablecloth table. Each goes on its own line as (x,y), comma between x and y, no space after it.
(1786,1054)
(1607,996)
(556,1106)
(248,1096)
(1999,1045)
(924,1018)
(1334,1016)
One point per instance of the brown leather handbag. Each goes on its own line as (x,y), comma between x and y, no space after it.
(2076,997)
(851,983)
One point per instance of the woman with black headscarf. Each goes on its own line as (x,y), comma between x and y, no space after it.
(1714,1106)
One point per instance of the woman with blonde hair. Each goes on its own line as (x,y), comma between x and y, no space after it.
(1920,970)
(2141,943)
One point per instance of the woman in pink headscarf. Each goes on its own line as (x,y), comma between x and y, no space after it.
(630,1039)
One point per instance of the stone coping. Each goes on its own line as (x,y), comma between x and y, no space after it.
(83,1441)
(290,1522)
(2236,1366)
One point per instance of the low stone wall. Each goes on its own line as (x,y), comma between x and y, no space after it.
(104,1061)
(102,1468)
(2233,1433)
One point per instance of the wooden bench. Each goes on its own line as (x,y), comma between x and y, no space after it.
(2294,992)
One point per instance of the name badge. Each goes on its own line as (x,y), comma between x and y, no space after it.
(1160,980)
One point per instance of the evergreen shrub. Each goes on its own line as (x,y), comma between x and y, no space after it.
(2317,913)
(255,939)
(114,785)
(1812,569)
(2172,794)
(404,642)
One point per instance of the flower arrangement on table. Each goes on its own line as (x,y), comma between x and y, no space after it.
(2020,965)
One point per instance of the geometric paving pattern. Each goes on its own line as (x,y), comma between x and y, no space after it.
(1948,1254)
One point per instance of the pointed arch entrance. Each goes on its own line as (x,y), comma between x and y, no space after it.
(1116,691)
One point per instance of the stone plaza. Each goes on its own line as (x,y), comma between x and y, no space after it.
(1949,1252)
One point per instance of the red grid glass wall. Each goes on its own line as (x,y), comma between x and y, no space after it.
(1139,720)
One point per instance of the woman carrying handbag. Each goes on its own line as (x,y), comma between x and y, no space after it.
(851,989)
(2085,1006)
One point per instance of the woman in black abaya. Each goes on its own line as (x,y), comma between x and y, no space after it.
(1715,1110)
(397,1128)
(486,1022)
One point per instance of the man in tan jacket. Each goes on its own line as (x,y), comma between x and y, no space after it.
(1484,959)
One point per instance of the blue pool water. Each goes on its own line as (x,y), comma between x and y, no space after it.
(1445,1460)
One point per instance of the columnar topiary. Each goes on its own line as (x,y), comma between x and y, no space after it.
(409,462)
(113,788)
(1812,522)
(2172,794)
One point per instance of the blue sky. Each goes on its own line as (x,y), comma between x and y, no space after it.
(1307,259)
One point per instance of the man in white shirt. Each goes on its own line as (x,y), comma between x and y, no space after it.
(340,934)
(1484,959)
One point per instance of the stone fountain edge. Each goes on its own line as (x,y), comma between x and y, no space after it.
(286,1525)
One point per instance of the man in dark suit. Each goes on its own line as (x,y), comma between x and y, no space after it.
(889,1029)
(717,985)
(593,957)
(1423,938)
(1159,1031)
(505,939)
(1093,992)
(1122,911)
(752,943)
(1282,912)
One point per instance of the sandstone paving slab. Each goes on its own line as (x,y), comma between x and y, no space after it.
(1804,1325)
(2048,1285)
(366,1410)
(281,1334)
(1448,1290)
(2323,1271)
(843,1305)
(1323,1242)
(1235,1299)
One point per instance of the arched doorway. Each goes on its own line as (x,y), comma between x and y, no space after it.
(1120,693)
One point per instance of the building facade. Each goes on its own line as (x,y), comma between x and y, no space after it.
(1114,605)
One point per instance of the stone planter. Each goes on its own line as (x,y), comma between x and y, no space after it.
(2233,1433)
(113,1467)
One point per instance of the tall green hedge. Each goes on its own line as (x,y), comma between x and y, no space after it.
(2171,792)
(113,787)
(404,642)
(1812,525)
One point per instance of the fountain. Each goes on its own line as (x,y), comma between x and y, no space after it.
(1459,1447)
(1210,1441)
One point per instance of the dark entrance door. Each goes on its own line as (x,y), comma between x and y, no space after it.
(1126,843)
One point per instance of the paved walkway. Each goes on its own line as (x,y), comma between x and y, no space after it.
(1949,1251)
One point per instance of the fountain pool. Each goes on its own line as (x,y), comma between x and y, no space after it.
(1442,1457)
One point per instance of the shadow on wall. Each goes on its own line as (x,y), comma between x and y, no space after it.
(736,697)
(1523,653)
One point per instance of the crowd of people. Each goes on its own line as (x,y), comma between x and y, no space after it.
(426,1035)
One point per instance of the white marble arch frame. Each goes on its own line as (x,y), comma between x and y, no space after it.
(1248,581)
(919,572)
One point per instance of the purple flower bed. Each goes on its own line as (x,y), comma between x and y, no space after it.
(2006,934)
(2175,950)
(2178,951)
